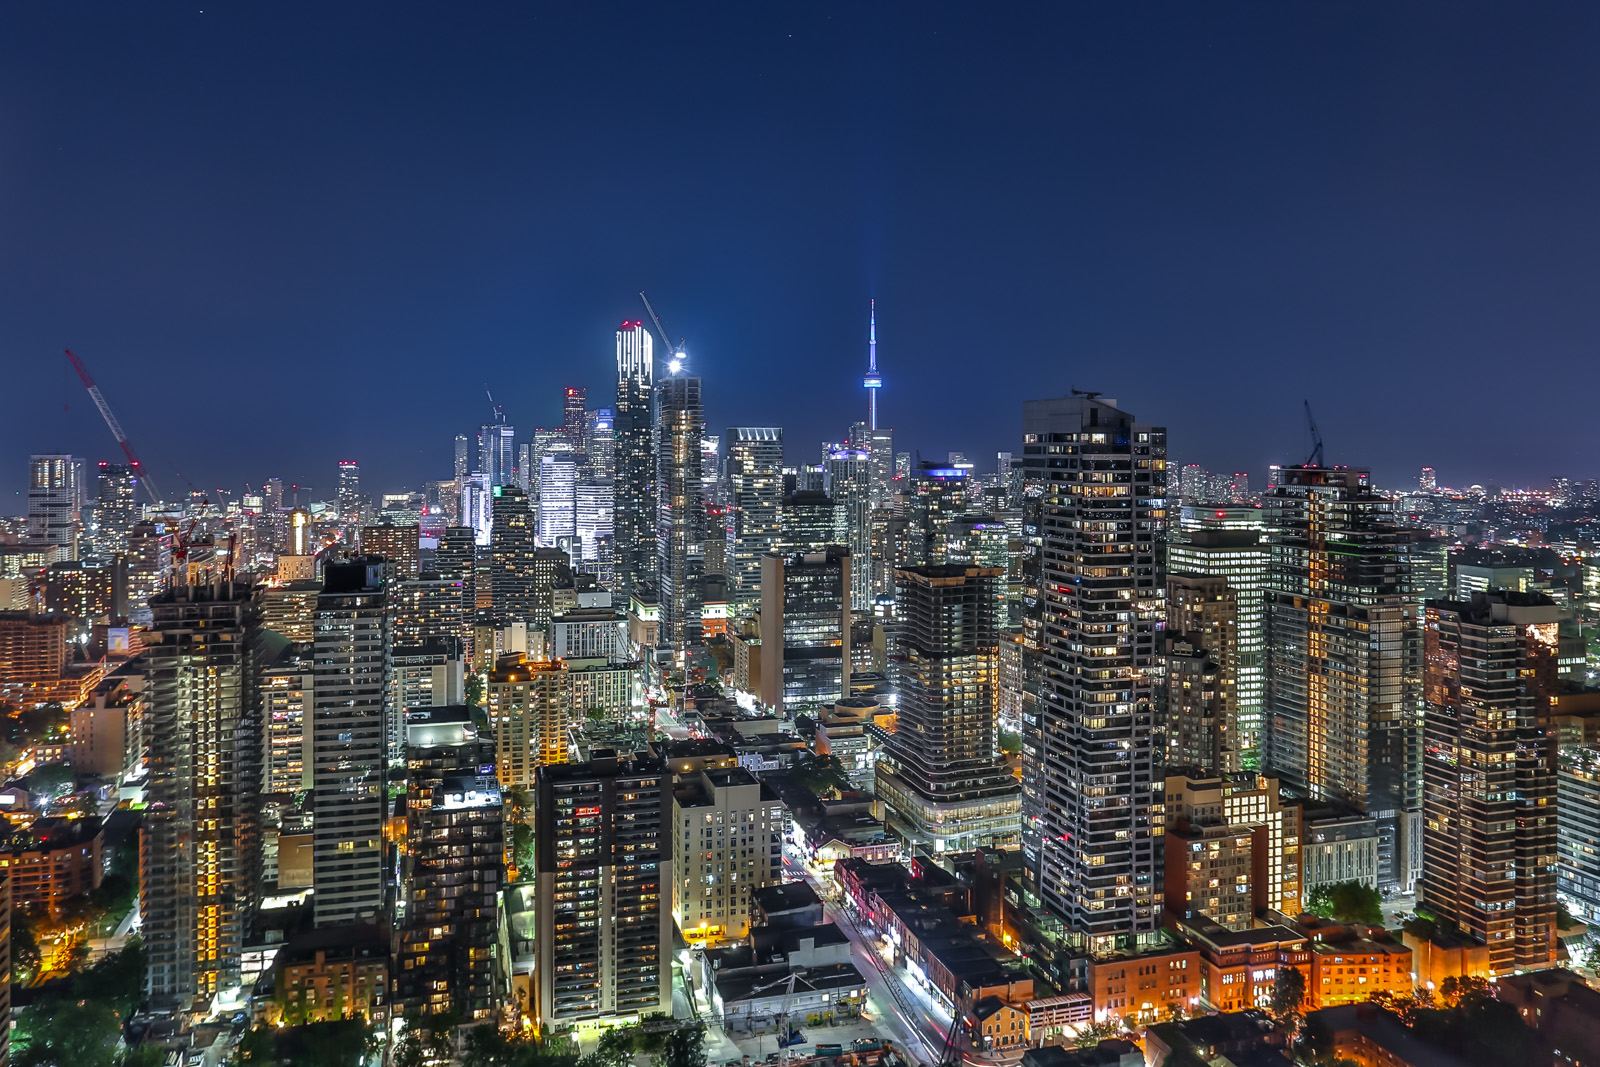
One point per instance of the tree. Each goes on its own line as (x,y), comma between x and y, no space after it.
(408,1051)
(51,781)
(1288,991)
(67,1033)
(684,1047)
(1462,991)
(25,958)
(1347,902)
(441,1034)
(821,773)
(335,1043)
(1010,742)
(474,689)
(1092,1035)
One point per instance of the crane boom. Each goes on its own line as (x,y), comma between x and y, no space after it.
(671,348)
(113,425)
(1315,459)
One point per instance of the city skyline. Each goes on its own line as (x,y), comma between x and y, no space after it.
(1247,258)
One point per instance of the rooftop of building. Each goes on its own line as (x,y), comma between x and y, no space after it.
(1357,945)
(1110,1052)
(359,941)
(1384,1030)
(692,749)
(1558,983)
(441,647)
(691,790)
(787,896)
(467,792)
(603,763)
(770,943)
(56,831)
(1208,933)
(747,985)
(875,876)
(592,614)
(1225,1029)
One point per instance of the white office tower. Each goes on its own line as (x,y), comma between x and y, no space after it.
(595,506)
(849,483)
(57,495)
(348,744)
(558,506)
(477,507)
(1090,785)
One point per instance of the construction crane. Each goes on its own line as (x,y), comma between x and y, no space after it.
(676,350)
(180,552)
(114,425)
(1315,459)
(498,409)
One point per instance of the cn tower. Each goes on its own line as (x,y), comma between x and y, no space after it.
(873,380)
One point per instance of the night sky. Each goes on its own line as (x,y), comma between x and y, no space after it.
(284,235)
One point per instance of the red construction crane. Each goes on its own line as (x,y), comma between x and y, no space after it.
(116,427)
(180,552)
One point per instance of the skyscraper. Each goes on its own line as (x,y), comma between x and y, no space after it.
(287,683)
(1199,653)
(1344,653)
(755,477)
(453,868)
(497,453)
(530,708)
(574,405)
(399,545)
(57,496)
(939,772)
(806,522)
(1489,843)
(349,743)
(603,845)
(1239,557)
(200,858)
(601,457)
(349,498)
(1090,778)
(937,495)
(558,487)
(511,553)
(116,510)
(456,560)
(850,485)
(805,628)
(463,458)
(633,429)
(594,519)
(680,530)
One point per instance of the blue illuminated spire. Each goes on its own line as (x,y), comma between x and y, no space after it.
(873,381)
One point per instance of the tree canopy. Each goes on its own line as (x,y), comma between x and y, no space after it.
(1346,902)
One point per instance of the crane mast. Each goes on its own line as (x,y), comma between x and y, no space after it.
(113,425)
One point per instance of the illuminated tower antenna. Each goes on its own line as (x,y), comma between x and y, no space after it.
(873,380)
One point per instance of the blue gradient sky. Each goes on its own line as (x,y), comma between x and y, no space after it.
(281,235)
